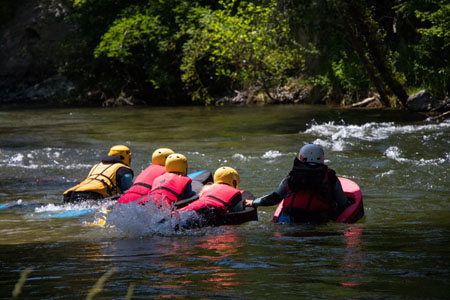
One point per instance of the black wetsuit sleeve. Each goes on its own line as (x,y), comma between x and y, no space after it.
(339,195)
(119,175)
(273,198)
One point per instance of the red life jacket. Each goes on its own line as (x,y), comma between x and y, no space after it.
(168,187)
(218,197)
(308,200)
(142,184)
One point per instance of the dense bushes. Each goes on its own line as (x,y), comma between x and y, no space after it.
(173,52)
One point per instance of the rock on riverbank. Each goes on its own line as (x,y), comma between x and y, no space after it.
(29,45)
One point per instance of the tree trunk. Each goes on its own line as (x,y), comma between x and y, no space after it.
(369,45)
(368,65)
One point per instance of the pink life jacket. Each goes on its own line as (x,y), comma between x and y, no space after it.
(218,197)
(168,187)
(142,184)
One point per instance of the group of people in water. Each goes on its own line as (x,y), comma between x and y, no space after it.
(311,192)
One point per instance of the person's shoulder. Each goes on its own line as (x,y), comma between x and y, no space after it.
(123,170)
(154,166)
(330,170)
(332,174)
(111,159)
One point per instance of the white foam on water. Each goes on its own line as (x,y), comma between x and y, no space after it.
(395,153)
(334,146)
(242,157)
(390,172)
(17,158)
(271,154)
(239,156)
(339,136)
(48,158)
(369,131)
(77,166)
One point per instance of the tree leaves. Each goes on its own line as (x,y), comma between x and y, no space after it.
(200,50)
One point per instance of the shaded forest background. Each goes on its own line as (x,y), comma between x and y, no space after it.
(180,52)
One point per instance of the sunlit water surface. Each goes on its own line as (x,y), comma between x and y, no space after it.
(399,250)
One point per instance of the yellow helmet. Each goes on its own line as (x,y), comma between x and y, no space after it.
(176,163)
(228,176)
(160,155)
(122,152)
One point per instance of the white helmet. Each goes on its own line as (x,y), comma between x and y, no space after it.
(311,153)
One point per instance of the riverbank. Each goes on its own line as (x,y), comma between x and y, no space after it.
(60,53)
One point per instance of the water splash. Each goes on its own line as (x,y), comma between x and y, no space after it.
(132,220)
(70,210)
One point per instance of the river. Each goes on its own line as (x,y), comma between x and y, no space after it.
(399,250)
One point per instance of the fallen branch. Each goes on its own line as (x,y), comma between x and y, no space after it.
(447,113)
(364,102)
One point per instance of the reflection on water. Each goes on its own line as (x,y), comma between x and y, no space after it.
(353,260)
(400,161)
(218,248)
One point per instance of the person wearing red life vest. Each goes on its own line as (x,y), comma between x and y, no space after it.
(173,185)
(142,185)
(217,199)
(311,193)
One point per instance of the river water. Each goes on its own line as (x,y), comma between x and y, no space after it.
(399,250)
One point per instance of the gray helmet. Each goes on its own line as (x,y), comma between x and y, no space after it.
(311,153)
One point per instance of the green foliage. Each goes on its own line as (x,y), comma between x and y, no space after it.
(337,65)
(439,20)
(243,44)
(351,77)
(169,52)
(434,48)
(130,32)
(424,45)
(138,39)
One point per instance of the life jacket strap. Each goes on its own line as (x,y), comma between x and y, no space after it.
(309,201)
(169,190)
(110,188)
(143,184)
(218,199)
(291,206)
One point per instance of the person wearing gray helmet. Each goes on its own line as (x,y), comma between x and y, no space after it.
(311,193)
